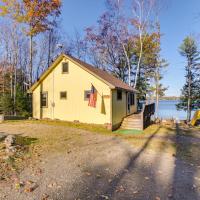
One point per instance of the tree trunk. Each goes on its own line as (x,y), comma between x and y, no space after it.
(15,89)
(139,60)
(129,65)
(31,62)
(157,95)
(189,96)
(49,48)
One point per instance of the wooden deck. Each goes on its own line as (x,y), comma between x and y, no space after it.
(141,120)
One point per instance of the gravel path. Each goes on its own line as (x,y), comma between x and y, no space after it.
(105,167)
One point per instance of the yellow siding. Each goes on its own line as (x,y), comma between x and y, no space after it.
(36,103)
(119,108)
(75,107)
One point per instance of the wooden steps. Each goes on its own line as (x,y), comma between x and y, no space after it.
(132,122)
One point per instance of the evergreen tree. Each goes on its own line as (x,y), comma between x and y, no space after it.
(22,106)
(6,104)
(23,103)
(190,92)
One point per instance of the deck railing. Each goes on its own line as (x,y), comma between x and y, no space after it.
(147,112)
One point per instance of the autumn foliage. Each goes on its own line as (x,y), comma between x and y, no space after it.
(38,15)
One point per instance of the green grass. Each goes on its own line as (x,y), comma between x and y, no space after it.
(128,132)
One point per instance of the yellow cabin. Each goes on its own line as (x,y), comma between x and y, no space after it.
(63,92)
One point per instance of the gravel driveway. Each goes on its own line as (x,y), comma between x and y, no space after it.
(103,167)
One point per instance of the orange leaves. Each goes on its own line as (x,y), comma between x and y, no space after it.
(6,7)
(37,15)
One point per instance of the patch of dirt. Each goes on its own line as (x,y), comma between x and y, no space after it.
(76,164)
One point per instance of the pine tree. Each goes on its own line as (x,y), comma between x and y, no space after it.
(190,92)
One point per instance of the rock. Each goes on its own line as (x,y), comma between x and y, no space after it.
(11,149)
(10,139)
(104,197)
(9,143)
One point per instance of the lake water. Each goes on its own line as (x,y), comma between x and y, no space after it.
(167,110)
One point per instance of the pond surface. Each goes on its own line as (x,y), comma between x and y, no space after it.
(167,110)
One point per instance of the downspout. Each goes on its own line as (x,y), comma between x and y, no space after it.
(111,108)
(41,109)
(53,103)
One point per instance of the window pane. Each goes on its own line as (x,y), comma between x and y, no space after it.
(65,67)
(44,99)
(87,94)
(132,98)
(119,95)
(63,95)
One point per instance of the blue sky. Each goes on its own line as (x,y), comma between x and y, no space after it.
(178,19)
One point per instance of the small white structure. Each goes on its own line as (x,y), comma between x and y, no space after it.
(1,118)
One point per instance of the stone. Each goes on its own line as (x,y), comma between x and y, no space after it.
(10,140)
(9,143)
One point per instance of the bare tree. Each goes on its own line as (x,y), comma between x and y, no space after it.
(78,45)
(143,11)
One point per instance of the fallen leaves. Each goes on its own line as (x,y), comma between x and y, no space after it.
(197,178)
(120,189)
(98,176)
(109,180)
(19,185)
(45,197)
(51,185)
(30,186)
(88,173)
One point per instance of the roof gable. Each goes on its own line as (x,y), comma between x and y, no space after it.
(104,76)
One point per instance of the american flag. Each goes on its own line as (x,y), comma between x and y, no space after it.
(93,97)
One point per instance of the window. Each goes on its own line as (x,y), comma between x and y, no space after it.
(119,95)
(87,95)
(132,100)
(65,67)
(44,99)
(63,95)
